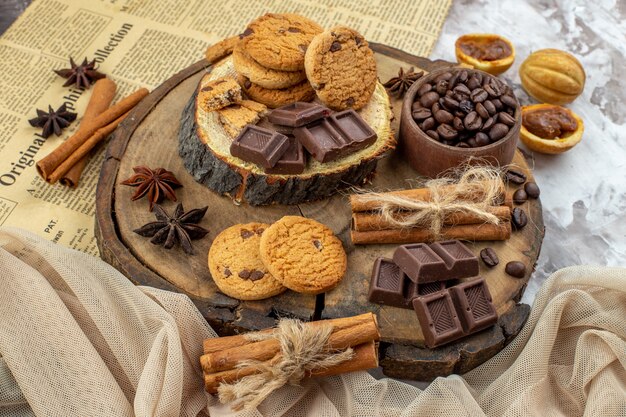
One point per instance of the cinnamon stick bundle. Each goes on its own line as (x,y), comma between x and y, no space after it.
(58,162)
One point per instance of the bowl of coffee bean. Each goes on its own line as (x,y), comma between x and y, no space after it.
(454,116)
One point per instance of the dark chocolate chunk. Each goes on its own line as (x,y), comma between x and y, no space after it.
(227,272)
(388,284)
(489,257)
(260,146)
(256,275)
(335,46)
(293,160)
(515,269)
(438,318)
(244,274)
(297,114)
(245,234)
(473,305)
(438,261)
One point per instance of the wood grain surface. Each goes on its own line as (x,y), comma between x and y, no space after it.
(149,137)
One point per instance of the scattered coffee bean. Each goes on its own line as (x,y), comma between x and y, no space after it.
(515,269)
(428,124)
(443,116)
(472,121)
(425,88)
(532,190)
(520,196)
(421,114)
(518,218)
(428,99)
(447,132)
(516,177)
(506,118)
(498,131)
(489,257)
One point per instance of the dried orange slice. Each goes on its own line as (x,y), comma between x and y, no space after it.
(551,129)
(485,51)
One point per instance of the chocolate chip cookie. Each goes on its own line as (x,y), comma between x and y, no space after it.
(341,68)
(278,97)
(236,266)
(264,77)
(279,41)
(220,93)
(303,254)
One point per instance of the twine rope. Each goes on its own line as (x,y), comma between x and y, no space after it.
(303,349)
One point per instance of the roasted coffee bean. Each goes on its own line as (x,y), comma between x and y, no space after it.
(443,116)
(441,87)
(497,104)
(421,114)
(520,196)
(435,108)
(514,176)
(518,218)
(429,99)
(462,89)
(457,123)
(462,145)
(490,91)
(433,134)
(447,132)
(463,76)
(489,257)
(459,97)
(478,95)
(417,105)
(428,124)
(448,142)
(510,111)
(472,121)
(488,124)
(449,93)
(450,103)
(516,269)
(506,118)
(490,107)
(532,190)
(466,106)
(425,88)
(472,143)
(453,80)
(443,77)
(482,140)
(498,131)
(482,111)
(509,101)
(473,82)
(459,113)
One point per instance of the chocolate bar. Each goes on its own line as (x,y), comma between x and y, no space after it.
(260,146)
(297,114)
(293,160)
(438,318)
(439,261)
(419,290)
(474,307)
(336,136)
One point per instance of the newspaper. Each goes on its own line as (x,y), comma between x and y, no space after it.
(138,43)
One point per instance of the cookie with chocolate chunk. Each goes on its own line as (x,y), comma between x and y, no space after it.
(341,68)
(236,266)
(278,41)
(264,77)
(279,97)
(220,93)
(236,116)
(303,254)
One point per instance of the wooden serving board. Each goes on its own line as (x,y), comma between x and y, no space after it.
(150,137)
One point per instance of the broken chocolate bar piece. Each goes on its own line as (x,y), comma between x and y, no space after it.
(293,160)
(351,125)
(474,307)
(439,261)
(297,114)
(260,146)
(438,318)
(388,284)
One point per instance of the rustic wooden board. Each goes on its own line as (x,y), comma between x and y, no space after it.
(149,137)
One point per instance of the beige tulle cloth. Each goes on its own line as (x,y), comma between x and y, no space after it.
(78,339)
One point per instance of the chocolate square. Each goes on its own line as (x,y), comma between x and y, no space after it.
(293,160)
(418,290)
(473,303)
(438,319)
(260,146)
(297,114)
(461,262)
(387,284)
(322,140)
(350,124)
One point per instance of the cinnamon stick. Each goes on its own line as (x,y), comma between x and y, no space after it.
(218,344)
(111,116)
(471,232)
(365,357)
(365,222)
(359,203)
(267,349)
(100,100)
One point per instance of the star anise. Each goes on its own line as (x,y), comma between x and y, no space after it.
(181,227)
(80,75)
(155,184)
(53,121)
(400,84)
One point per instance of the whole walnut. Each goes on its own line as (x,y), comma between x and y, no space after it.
(552,76)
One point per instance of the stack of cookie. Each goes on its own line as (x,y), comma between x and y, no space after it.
(256,260)
(269,59)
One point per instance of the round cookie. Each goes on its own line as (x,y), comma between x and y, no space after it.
(341,68)
(236,266)
(279,97)
(304,255)
(278,41)
(264,77)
